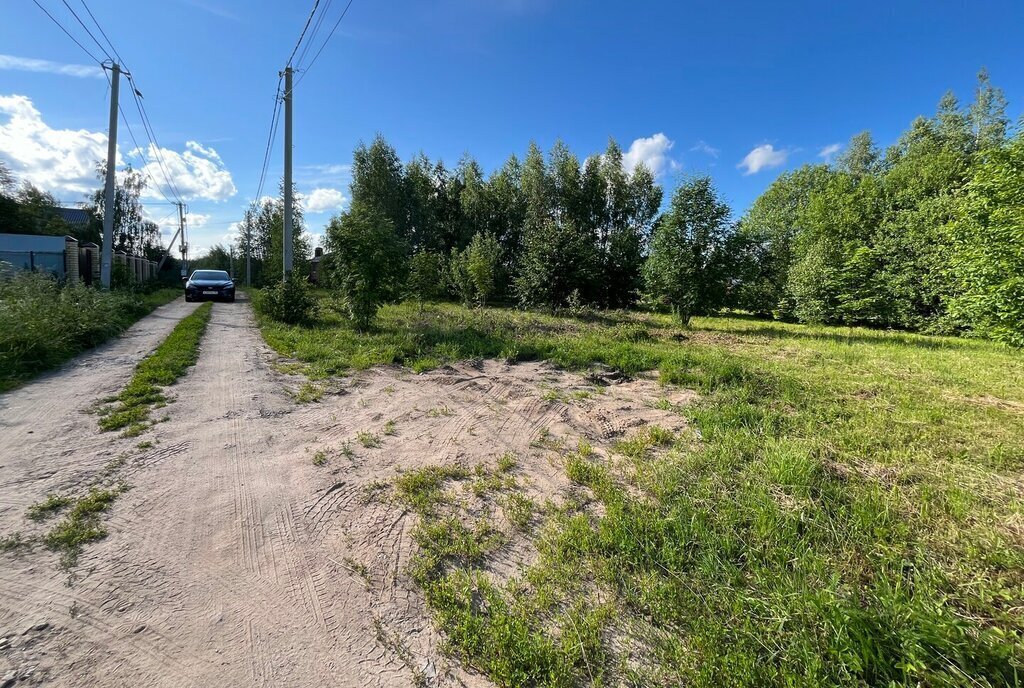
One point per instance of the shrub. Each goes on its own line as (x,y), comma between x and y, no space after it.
(425,276)
(369,260)
(289,301)
(43,323)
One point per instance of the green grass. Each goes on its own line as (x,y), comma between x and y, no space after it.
(42,325)
(53,504)
(160,369)
(81,524)
(845,508)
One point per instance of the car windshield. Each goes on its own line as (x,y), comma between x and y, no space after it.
(210,275)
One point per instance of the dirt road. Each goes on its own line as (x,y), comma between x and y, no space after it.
(233,560)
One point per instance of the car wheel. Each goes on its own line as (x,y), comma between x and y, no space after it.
(231,299)
(188,298)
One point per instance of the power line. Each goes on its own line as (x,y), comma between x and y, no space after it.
(274,118)
(82,24)
(313,35)
(68,33)
(324,44)
(151,135)
(316,3)
(104,34)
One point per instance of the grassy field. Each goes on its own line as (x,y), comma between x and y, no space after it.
(43,325)
(845,510)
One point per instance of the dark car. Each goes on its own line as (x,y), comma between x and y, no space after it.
(209,284)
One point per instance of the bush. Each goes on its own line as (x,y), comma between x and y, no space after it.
(369,260)
(42,323)
(289,301)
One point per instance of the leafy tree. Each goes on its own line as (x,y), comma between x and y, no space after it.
(133,234)
(262,228)
(426,278)
(482,257)
(988,114)
(378,183)
(369,260)
(765,241)
(686,270)
(989,260)
(559,261)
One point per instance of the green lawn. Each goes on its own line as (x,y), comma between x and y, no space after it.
(846,510)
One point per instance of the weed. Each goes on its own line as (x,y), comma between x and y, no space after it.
(49,506)
(147,444)
(439,412)
(507,462)
(320,458)
(519,510)
(368,440)
(14,543)
(308,393)
(81,524)
(346,450)
(423,489)
(389,428)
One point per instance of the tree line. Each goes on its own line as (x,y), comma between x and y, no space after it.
(923,236)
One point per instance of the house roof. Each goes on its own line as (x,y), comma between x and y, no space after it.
(74,216)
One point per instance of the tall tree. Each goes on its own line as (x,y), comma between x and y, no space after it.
(686,270)
(989,261)
(988,114)
(377,182)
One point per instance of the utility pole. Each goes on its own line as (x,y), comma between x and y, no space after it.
(184,246)
(248,252)
(287,171)
(107,258)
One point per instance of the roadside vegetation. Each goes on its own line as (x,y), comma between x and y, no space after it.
(43,324)
(844,510)
(129,411)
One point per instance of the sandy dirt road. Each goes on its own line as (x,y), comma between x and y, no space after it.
(233,560)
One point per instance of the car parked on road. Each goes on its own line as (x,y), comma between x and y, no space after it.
(210,284)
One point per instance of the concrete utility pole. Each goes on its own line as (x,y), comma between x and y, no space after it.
(184,246)
(287,171)
(248,253)
(107,258)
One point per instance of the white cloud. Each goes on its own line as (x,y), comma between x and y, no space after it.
(324,200)
(705,148)
(763,157)
(653,152)
(197,173)
(830,150)
(28,64)
(62,161)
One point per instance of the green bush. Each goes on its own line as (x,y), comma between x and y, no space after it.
(289,301)
(42,323)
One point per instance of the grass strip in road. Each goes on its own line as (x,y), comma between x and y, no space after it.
(131,408)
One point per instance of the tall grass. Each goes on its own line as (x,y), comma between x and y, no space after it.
(846,508)
(43,324)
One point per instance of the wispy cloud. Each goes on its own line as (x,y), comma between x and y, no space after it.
(763,157)
(214,9)
(28,64)
(829,151)
(705,148)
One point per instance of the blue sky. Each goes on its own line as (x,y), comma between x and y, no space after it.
(688,86)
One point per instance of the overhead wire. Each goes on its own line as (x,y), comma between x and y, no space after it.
(323,45)
(68,34)
(103,33)
(313,34)
(316,3)
(82,24)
